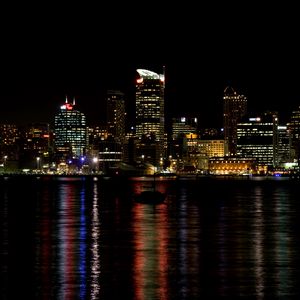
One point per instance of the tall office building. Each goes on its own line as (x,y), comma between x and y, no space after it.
(284,147)
(257,138)
(10,137)
(116,115)
(293,127)
(70,132)
(234,108)
(150,117)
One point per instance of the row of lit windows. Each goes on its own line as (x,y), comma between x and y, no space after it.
(229,162)
(262,147)
(70,132)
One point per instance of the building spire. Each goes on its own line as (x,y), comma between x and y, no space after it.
(164,73)
(73,101)
(66,99)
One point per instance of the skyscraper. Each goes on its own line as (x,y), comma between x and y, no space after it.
(293,127)
(116,115)
(70,132)
(257,139)
(234,108)
(150,117)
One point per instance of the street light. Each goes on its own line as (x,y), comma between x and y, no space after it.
(95,162)
(38,163)
(4,161)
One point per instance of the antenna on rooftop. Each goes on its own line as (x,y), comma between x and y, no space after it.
(164,73)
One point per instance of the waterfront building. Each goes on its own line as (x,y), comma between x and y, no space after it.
(293,127)
(232,166)
(150,116)
(70,132)
(208,149)
(9,147)
(36,146)
(110,157)
(284,147)
(257,138)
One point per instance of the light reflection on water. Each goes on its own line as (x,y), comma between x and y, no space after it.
(149,257)
(95,263)
(90,240)
(258,241)
(4,242)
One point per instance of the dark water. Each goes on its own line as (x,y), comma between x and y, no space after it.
(86,239)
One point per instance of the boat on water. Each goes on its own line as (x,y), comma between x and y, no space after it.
(149,193)
(152,197)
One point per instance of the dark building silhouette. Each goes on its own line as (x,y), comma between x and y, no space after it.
(116,115)
(234,108)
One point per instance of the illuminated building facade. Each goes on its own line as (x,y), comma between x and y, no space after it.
(211,148)
(199,151)
(150,117)
(234,108)
(110,157)
(284,149)
(37,139)
(257,138)
(116,114)
(232,166)
(9,145)
(9,134)
(36,144)
(294,130)
(70,131)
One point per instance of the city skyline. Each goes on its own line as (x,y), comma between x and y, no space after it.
(56,52)
(42,102)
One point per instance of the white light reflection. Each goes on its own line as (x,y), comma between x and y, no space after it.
(282,243)
(66,236)
(222,234)
(82,246)
(182,251)
(188,234)
(62,243)
(95,259)
(259,244)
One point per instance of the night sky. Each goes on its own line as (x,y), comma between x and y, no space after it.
(83,51)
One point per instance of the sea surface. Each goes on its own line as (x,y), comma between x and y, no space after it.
(88,238)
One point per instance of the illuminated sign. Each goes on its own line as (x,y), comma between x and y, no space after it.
(67,106)
(254,119)
(148,74)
